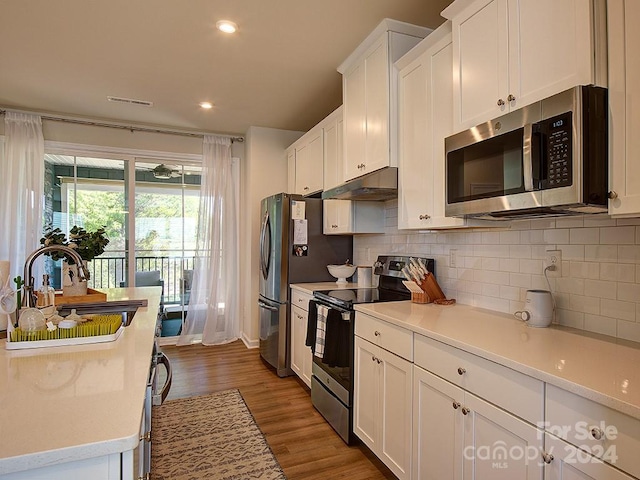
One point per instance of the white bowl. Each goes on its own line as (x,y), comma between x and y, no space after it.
(341,272)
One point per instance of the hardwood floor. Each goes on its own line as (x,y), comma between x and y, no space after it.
(304,444)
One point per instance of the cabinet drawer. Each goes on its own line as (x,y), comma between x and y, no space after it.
(396,339)
(515,392)
(579,421)
(300,299)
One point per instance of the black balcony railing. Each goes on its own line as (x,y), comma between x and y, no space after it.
(110,272)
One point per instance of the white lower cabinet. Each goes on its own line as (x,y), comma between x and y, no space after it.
(566,462)
(301,356)
(382,415)
(459,436)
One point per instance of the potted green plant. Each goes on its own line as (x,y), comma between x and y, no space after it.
(87,244)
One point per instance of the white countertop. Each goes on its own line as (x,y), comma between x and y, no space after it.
(62,404)
(597,367)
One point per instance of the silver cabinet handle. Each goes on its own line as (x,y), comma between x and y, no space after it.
(547,458)
(159,398)
(424,217)
(306,188)
(146,437)
(268,307)
(511,98)
(597,433)
(373,358)
(465,410)
(379,361)
(461,371)
(613,195)
(500,102)
(376,333)
(456,405)
(334,226)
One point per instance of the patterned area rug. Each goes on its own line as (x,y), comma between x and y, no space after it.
(211,437)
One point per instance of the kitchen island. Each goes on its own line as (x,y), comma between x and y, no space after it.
(75,411)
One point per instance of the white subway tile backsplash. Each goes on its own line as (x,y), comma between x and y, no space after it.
(628,330)
(629,254)
(584,270)
(618,236)
(618,272)
(555,236)
(570,222)
(584,304)
(599,289)
(584,236)
(531,266)
(618,309)
(598,324)
(629,292)
(601,253)
(598,221)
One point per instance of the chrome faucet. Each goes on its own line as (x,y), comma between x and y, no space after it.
(29,297)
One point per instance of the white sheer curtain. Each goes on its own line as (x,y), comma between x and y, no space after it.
(213,312)
(21,188)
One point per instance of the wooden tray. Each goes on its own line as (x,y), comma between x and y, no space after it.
(92,296)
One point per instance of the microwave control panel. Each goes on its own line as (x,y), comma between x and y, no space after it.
(558,150)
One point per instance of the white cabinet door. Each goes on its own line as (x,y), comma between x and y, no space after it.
(355,120)
(300,353)
(425,119)
(497,445)
(566,462)
(623,17)
(377,90)
(309,163)
(511,53)
(550,49)
(366,418)
(382,413)
(333,165)
(437,432)
(480,63)
(346,217)
(396,386)
(291,170)
(337,217)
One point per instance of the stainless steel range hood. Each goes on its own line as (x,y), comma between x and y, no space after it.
(379,185)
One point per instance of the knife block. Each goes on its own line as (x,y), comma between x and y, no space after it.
(420,297)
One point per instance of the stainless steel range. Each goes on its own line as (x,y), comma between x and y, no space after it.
(332,314)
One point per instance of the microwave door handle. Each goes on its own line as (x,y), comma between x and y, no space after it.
(527,164)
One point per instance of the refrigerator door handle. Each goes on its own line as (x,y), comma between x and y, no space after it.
(268,307)
(265,234)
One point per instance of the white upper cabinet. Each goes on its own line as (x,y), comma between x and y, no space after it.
(291,169)
(370,97)
(333,155)
(309,162)
(344,217)
(425,119)
(624,121)
(511,53)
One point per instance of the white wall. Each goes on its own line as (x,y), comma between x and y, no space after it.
(599,289)
(264,173)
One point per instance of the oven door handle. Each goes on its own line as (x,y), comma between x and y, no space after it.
(267,307)
(160,397)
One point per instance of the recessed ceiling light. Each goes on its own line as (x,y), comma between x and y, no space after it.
(226,26)
(206,105)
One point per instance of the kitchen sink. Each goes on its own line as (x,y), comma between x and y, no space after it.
(127,308)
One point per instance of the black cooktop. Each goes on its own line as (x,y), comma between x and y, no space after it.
(347,297)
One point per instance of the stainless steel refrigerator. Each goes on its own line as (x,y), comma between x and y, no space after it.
(293,249)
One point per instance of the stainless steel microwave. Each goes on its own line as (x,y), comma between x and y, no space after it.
(548,158)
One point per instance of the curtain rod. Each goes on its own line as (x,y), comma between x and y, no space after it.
(131,128)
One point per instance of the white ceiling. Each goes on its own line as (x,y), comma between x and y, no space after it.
(278,70)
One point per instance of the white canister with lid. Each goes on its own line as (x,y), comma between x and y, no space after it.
(364,276)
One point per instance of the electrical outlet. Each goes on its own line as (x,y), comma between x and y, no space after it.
(553,260)
(453,258)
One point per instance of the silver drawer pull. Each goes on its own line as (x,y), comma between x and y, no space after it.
(597,433)
(377,333)
(547,458)
(500,102)
(461,371)
(456,405)
(465,410)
